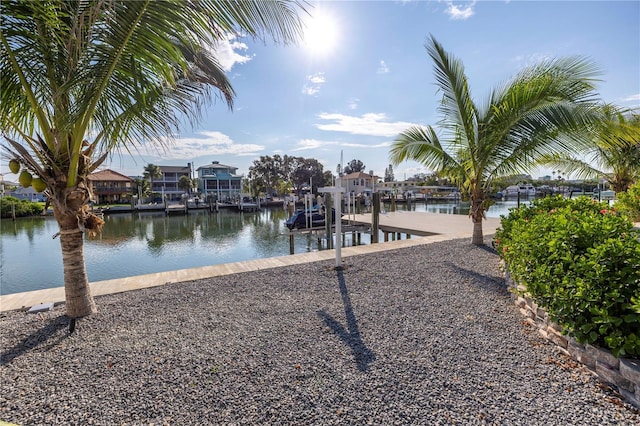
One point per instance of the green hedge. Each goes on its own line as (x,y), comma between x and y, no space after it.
(629,202)
(579,260)
(22,207)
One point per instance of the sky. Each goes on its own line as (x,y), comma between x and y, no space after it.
(362,75)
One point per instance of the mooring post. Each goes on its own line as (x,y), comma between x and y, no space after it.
(375,217)
(291,251)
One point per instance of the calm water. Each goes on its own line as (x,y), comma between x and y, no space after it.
(135,244)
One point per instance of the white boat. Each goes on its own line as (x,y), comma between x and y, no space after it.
(524,189)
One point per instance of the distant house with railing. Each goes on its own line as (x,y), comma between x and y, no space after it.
(111,187)
(398,187)
(359,183)
(167,184)
(219,181)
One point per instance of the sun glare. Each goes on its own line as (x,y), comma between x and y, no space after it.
(320,34)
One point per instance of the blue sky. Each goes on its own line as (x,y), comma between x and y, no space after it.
(367,76)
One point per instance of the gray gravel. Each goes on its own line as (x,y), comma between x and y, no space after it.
(423,335)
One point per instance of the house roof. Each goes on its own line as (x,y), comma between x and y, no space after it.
(358,175)
(216,166)
(175,169)
(109,176)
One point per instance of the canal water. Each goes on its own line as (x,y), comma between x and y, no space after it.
(142,243)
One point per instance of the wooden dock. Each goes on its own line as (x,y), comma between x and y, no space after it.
(176,209)
(425,224)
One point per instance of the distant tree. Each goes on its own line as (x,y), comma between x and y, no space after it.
(141,186)
(327,178)
(388,174)
(546,108)
(151,172)
(186,183)
(427,179)
(354,166)
(266,174)
(302,171)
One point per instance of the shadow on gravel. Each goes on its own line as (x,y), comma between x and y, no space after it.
(36,339)
(351,336)
(496,285)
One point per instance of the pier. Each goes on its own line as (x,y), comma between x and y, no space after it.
(394,224)
(424,224)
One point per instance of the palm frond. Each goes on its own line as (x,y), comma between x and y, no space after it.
(457,107)
(122,70)
(25,157)
(571,166)
(422,145)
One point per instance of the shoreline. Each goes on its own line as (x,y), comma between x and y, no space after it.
(27,299)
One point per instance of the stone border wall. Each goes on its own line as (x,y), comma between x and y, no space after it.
(620,373)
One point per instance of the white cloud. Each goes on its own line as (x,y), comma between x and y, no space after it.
(362,145)
(314,81)
(226,52)
(207,143)
(306,144)
(317,78)
(310,90)
(632,98)
(371,124)
(531,59)
(315,144)
(353,103)
(460,12)
(383,68)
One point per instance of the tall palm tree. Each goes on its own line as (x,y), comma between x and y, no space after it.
(541,110)
(83,78)
(151,172)
(614,154)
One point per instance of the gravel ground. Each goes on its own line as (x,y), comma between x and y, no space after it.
(423,335)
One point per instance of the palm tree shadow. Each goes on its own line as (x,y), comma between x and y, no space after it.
(36,339)
(351,335)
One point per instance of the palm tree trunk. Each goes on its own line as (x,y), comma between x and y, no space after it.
(477,215)
(79,302)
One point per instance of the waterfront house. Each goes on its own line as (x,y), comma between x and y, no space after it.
(28,194)
(221,182)
(167,184)
(111,187)
(359,183)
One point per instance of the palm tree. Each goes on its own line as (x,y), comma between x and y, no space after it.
(540,111)
(614,154)
(151,172)
(82,79)
(186,183)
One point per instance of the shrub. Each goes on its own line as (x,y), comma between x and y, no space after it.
(22,207)
(629,202)
(580,260)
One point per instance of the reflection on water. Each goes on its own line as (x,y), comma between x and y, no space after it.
(135,244)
